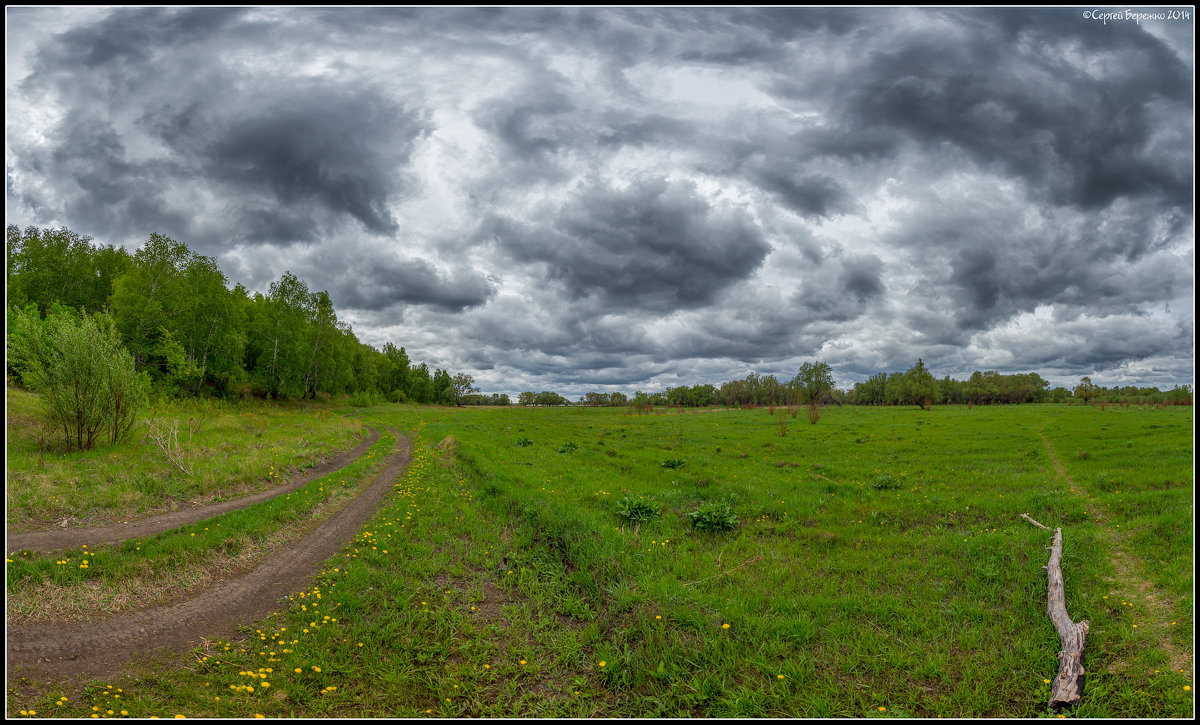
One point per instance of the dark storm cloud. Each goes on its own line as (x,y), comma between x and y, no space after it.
(812,194)
(377,284)
(342,151)
(654,245)
(290,161)
(861,277)
(1009,96)
(132,36)
(996,259)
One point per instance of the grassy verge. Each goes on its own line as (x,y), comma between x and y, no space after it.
(99,580)
(230,449)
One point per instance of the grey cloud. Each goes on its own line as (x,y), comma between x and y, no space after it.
(311,147)
(861,277)
(655,245)
(814,194)
(982,263)
(131,36)
(1022,107)
(379,283)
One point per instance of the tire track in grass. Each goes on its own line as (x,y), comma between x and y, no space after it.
(42,541)
(1128,570)
(103,646)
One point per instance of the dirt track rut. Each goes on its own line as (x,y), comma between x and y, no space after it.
(103,646)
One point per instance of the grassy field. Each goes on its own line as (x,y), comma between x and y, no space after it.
(593,562)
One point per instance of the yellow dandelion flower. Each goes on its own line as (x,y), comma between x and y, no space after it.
(602,663)
(724,626)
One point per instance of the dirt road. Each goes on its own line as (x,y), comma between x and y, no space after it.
(103,646)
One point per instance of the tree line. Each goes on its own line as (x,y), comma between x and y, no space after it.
(918,386)
(187,331)
(96,329)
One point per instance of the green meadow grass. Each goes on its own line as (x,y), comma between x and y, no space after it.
(232,448)
(877,567)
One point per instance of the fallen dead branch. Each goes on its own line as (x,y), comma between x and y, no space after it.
(1026,517)
(1067,688)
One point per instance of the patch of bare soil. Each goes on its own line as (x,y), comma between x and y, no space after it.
(72,538)
(104,646)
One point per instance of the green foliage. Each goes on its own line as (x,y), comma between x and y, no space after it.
(814,380)
(523,442)
(1086,390)
(89,387)
(58,265)
(637,509)
(672,463)
(192,334)
(886,482)
(364,399)
(568,447)
(462,385)
(713,516)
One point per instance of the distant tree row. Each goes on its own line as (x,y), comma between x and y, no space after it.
(545,397)
(1089,392)
(813,386)
(191,333)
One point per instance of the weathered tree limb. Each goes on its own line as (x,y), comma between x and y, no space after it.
(1068,685)
(1040,526)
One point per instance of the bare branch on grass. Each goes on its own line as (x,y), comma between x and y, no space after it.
(1068,685)
(168,442)
(1026,517)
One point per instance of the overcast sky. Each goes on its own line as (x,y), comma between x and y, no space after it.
(582,199)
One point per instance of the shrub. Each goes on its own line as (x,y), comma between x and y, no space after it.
(672,463)
(363,399)
(87,379)
(638,509)
(713,516)
(886,482)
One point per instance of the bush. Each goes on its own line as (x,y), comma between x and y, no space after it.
(89,387)
(713,516)
(886,482)
(673,463)
(363,399)
(638,509)
(397,396)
